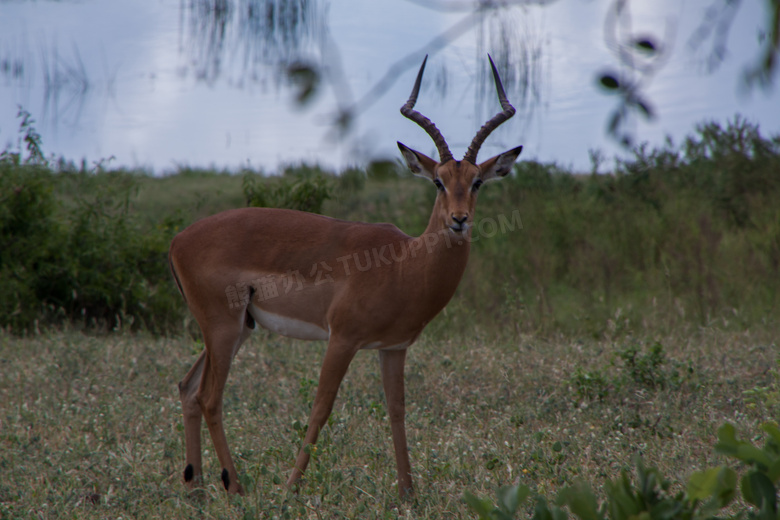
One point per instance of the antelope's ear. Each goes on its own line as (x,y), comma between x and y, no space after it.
(498,166)
(420,164)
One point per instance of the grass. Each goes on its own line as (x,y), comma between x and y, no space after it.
(91,425)
(194,193)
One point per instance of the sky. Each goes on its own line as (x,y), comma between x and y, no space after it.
(127,82)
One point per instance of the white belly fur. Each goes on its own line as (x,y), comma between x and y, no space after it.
(285,326)
(378,345)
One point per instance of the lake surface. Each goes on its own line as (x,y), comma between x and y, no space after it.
(160,84)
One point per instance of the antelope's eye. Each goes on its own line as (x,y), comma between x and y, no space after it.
(476,185)
(438,184)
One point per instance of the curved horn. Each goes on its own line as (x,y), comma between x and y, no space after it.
(408,111)
(487,128)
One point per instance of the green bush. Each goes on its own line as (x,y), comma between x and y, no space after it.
(352,180)
(72,250)
(301,190)
(118,270)
(93,264)
(706,495)
(687,234)
(31,241)
(648,369)
(681,236)
(633,367)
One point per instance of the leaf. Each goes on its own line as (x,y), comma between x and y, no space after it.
(581,501)
(306,78)
(614,122)
(510,498)
(719,483)
(758,490)
(666,509)
(727,440)
(645,44)
(728,444)
(726,488)
(645,108)
(752,455)
(610,82)
(773,472)
(702,484)
(542,511)
(772,430)
(482,506)
(621,501)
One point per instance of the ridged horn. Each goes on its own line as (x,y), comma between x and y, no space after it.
(426,124)
(507,112)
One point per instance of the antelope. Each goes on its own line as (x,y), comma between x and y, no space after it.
(357,286)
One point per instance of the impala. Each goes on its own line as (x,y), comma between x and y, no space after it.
(357,286)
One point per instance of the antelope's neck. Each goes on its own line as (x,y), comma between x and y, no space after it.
(443,255)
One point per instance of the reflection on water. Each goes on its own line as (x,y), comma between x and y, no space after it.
(157,82)
(279,45)
(289,42)
(250,38)
(66,84)
(12,69)
(518,50)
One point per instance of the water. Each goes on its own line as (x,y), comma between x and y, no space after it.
(160,84)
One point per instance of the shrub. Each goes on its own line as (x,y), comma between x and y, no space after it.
(94,264)
(677,236)
(706,495)
(31,241)
(299,191)
(118,269)
(91,261)
(352,180)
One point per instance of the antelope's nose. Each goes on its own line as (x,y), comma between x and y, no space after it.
(460,220)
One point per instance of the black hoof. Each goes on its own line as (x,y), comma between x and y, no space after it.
(188,473)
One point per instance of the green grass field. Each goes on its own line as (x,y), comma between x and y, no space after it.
(619,315)
(91,425)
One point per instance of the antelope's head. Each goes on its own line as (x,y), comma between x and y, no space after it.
(457,182)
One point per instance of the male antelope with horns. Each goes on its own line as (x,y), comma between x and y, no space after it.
(357,286)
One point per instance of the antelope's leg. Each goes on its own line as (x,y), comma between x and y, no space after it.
(338,356)
(221,346)
(392,366)
(188,389)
